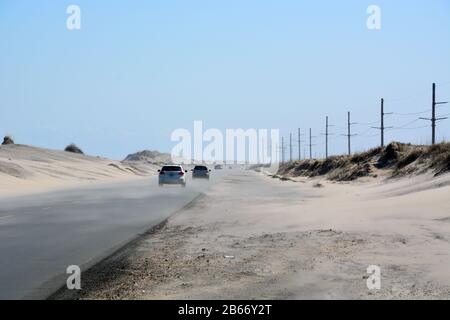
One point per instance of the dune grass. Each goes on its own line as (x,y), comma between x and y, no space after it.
(7,140)
(400,158)
(73,148)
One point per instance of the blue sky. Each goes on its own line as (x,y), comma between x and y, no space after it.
(137,70)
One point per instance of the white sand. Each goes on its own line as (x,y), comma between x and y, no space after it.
(256,237)
(25,170)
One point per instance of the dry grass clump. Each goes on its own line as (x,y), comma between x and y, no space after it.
(7,140)
(73,148)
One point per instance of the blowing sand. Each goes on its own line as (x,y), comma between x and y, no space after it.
(26,169)
(255,237)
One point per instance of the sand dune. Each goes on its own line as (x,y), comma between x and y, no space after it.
(396,159)
(25,169)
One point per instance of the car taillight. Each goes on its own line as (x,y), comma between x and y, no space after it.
(181,173)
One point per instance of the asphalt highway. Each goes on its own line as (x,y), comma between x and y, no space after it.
(41,235)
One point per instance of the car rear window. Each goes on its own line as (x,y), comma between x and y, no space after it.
(171,168)
(200,168)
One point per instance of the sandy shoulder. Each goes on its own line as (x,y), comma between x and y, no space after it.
(254,237)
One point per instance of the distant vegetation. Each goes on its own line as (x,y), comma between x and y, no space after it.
(402,159)
(73,148)
(148,156)
(7,140)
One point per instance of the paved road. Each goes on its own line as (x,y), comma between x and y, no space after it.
(41,235)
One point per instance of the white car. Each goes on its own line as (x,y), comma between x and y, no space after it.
(172,174)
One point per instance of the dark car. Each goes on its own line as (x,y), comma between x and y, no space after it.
(200,172)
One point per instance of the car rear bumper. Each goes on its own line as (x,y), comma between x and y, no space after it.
(200,175)
(172,180)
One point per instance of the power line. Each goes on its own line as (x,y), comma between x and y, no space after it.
(412,113)
(367,123)
(371,135)
(406,124)
(364,133)
(379,125)
(413,128)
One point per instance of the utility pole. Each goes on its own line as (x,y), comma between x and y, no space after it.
(326,139)
(277,159)
(349,132)
(276,156)
(290,147)
(382,127)
(433,118)
(299,144)
(382,122)
(326,134)
(262,152)
(310,143)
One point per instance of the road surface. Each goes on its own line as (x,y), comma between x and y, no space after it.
(255,237)
(40,236)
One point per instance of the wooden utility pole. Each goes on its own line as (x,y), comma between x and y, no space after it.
(326,134)
(382,122)
(349,133)
(433,118)
(290,147)
(382,127)
(433,115)
(310,143)
(326,139)
(299,144)
(262,152)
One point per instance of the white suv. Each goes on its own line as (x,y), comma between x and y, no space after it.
(172,174)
